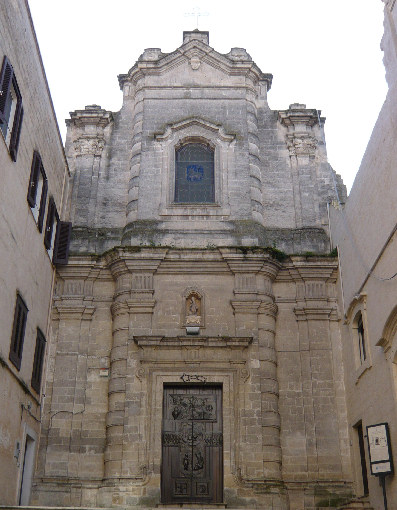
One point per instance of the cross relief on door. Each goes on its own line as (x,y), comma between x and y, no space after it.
(192,443)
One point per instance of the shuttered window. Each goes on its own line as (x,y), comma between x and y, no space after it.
(38,361)
(37,192)
(52,218)
(18,332)
(11,110)
(62,241)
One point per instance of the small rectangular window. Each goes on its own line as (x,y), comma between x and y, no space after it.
(18,332)
(37,192)
(361,340)
(11,110)
(38,362)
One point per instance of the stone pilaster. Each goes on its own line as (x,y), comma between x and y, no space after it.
(132,311)
(86,140)
(255,165)
(135,162)
(301,141)
(255,311)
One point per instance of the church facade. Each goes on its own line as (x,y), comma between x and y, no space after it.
(196,349)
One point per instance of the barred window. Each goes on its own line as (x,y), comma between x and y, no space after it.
(194,174)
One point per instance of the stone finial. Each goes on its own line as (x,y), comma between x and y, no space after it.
(196,35)
(239,55)
(151,54)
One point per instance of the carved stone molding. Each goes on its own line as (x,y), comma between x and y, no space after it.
(92,115)
(298,115)
(268,309)
(316,314)
(132,306)
(89,145)
(389,332)
(188,341)
(301,144)
(196,121)
(245,306)
(66,311)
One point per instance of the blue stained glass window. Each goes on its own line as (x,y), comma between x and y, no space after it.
(194,174)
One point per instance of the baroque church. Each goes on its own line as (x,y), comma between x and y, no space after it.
(195,357)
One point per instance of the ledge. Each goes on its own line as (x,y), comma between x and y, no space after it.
(187,341)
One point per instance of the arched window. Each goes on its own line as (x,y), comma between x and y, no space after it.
(194,174)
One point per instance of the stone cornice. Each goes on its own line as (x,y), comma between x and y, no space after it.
(299,115)
(196,341)
(316,313)
(312,268)
(92,115)
(245,306)
(124,260)
(73,311)
(250,262)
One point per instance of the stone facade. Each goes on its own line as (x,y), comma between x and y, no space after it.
(162,294)
(26,268)
(365,232)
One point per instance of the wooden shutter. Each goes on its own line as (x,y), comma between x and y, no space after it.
(49,223)
(16,128)
(42,203)
(62,242)
(18,332)
(5,84)
(38,361)
(34,179)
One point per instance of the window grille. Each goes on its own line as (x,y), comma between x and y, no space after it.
(194,174)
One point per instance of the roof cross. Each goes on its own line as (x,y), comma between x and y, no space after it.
(196,13)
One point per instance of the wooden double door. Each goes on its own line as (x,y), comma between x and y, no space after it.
(192,445)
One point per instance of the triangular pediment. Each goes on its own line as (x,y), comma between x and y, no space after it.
(196,54)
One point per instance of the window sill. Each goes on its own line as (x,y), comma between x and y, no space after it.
(362,369)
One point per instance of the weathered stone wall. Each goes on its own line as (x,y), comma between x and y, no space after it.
(365,234)
(25,265)
(268,335)
(272,179)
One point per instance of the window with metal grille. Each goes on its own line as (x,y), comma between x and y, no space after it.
(38,361)
(194,174)
(11,110)
(18,332)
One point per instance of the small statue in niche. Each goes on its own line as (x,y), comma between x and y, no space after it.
(193,309)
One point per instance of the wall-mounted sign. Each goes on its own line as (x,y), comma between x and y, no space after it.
(379,448)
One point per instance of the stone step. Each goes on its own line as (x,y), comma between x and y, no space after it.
(357,504)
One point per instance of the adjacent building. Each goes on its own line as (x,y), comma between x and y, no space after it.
(34,175)
(196,353)
(365,233)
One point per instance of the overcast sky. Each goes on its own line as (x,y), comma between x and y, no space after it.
(324,53)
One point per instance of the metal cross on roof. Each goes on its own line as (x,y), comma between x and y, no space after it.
(196,13)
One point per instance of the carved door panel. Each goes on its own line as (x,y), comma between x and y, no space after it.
(192,453)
